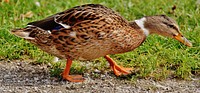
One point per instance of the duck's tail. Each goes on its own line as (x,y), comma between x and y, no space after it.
(30,32)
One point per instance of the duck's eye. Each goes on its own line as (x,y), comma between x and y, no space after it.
(171,26)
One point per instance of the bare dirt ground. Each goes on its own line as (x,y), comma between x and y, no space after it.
(23,77)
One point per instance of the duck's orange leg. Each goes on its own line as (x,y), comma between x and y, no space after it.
(72,78)
(118,70)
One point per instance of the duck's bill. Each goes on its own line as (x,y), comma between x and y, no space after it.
(183,40)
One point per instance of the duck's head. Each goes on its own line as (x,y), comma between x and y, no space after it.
(162,25)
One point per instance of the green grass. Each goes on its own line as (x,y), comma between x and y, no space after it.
(157,58)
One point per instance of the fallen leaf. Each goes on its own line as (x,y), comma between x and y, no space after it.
(7,1)
(174,7)
(172,11)
(27,15)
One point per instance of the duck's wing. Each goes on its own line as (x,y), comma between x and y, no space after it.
(46,24)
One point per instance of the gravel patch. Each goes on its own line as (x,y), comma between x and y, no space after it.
(23,77)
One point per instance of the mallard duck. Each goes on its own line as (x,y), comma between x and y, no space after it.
(91,31)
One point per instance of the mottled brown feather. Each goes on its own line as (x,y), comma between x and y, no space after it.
(94,31)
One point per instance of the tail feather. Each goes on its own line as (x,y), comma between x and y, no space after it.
(22,33)
(28,33)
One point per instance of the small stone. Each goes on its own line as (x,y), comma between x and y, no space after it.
(6,76)
(97,71)
(10,90)
(19,64)
(44,91)
(36,78)
(48,86)
(33,71)
(86,75)
(111,84)
(35,88)
(83,86)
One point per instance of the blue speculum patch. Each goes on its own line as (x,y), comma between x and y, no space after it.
(57,27)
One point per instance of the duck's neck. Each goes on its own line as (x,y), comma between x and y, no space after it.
(139,24)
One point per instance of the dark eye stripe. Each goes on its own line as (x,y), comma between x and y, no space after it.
(171,26)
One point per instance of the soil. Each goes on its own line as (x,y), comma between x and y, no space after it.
(24,77)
